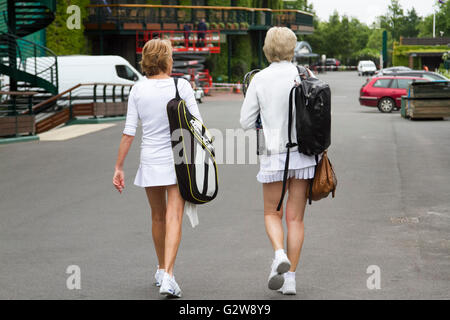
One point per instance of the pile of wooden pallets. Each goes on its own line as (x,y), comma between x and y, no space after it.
(427,100)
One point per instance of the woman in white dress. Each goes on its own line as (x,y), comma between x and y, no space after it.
(147,102)
(268,97)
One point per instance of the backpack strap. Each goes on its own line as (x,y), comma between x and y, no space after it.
(177,94)
(289,145)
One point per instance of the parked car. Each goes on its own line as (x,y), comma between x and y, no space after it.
(385,92)
(390,70)
(432,76)
(332,62)
(366,67)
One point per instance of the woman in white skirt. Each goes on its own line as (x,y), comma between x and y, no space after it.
(147,102)
(268,97)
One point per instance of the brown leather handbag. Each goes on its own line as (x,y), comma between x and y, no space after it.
(324,181)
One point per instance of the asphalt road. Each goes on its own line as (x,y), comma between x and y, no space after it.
(392,210)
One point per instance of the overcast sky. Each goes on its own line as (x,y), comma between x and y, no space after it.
(367,10)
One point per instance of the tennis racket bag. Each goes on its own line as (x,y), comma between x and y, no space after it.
(193,153)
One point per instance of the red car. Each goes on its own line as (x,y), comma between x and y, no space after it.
(385,92)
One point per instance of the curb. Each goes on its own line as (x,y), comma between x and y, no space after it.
(95,120)
(18,139)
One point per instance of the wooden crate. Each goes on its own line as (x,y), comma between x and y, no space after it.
(428,100)
(430,90)
(24,124)
(429,108)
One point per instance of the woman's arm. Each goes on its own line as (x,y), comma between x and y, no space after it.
(126,141)
(250,107)
(119,176)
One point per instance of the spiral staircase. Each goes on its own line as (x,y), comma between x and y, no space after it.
(29,66)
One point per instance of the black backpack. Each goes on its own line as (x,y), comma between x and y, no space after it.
(193,153)
(312,118)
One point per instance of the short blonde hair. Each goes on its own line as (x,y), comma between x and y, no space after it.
(156,57)
(279,44)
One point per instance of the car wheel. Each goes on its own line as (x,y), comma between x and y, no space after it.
(386,105)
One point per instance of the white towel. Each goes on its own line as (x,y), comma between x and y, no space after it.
(190,210)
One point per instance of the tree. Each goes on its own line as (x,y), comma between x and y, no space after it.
(393,20)
(410,25)
(442,22)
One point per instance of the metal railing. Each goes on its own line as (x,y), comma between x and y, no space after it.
(90,100)
(84,94)
(183,41)
(31,58)
(129,16)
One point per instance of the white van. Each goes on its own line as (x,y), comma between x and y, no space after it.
(84,69)
(76,69)
(366,67)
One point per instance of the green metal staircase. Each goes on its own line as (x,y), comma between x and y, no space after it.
(29,65)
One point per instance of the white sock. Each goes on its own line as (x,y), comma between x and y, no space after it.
(279,253)
(290,274)
(171,277)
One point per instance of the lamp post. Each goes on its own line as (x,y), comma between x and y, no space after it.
(434,18)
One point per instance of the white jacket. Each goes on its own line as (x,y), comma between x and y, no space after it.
(268,95)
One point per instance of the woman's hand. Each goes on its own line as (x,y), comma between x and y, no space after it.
(119,180)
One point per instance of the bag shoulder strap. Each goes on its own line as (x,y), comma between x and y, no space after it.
(289,145)
(177,94)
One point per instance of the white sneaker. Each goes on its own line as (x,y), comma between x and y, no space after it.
(280,265)
(158,277)
(169,287)
(289,286)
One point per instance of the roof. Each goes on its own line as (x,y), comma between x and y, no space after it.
(425,41)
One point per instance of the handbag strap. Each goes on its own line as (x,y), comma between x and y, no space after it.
(289,145)
(312,180)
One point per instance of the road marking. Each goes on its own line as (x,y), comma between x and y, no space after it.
(73,131)
(438,214)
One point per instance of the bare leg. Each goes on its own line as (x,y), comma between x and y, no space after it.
(295,210)
(272,217)
(157,200)
(174,218)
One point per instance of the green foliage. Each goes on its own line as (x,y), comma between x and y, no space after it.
(339,37)
(400,56)
(221,3)
(442,22)
(61,39)
(244,3)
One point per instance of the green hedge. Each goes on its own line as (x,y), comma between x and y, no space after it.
(400,54)
(61,39)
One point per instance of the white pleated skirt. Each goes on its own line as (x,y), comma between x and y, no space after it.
(275,176)
(272,167)
(152,175)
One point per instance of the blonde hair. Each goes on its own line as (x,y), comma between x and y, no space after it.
(279,44)
(156,57)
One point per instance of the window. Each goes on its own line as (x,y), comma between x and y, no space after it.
(125,72)
(433,77)
(382,83)
(403,83)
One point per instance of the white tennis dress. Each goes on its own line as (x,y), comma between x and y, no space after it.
(147,102)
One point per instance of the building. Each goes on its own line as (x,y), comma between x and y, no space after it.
(240,23)
(417,53)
